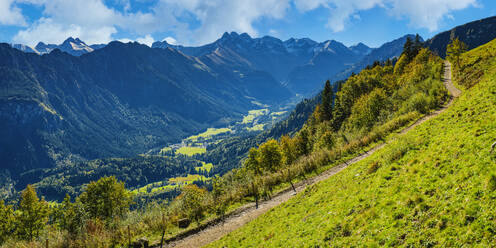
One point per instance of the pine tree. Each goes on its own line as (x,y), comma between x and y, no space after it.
(417,45)
(408,49)
(6,221)
(33,214)
(389,62)
(302,142)
(327,97)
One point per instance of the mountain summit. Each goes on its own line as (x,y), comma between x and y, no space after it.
(75,47)
(301,64)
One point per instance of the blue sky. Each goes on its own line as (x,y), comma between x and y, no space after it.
(196,22)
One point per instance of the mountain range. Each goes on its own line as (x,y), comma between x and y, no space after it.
(70,102)
(300,64)
(117,101)
(387,51)
(72,46)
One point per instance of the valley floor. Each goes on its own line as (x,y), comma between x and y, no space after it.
(248,212)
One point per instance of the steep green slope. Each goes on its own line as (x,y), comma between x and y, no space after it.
(435,185)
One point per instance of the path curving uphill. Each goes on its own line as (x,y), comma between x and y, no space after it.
(245,214)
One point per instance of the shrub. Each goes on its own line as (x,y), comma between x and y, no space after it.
(373,167)
(491,182)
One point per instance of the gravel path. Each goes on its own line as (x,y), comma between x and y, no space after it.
(245,214)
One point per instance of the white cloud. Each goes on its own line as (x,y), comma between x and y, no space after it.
(10,14)
(218,16)
(421,13)
(90,20)
(147,40)
(49,31)
(171,40)
(196,22)
(428,13)
(125,40)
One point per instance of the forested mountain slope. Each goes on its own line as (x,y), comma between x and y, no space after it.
(434,186)
(229,153)
(473,34)
(118,101)
(388,50)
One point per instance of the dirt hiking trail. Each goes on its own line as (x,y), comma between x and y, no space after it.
(217,229)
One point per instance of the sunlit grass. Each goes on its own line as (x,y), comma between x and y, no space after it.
(205,167)
(433,186)
(190,151)
(258,127)
(209,133)
(252,114)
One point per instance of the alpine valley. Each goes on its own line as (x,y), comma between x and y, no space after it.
(65,105)
(250,142)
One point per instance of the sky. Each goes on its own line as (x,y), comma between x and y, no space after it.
(198,22)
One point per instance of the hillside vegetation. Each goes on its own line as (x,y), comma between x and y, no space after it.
(434,186)
(367,108)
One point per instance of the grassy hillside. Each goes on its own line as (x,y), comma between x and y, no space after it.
(434,186)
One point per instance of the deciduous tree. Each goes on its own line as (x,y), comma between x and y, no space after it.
(106,198)
(270,155)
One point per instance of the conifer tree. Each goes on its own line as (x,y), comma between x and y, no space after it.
(454,50)
(302,142)
(6,221)
(389,62)
(327,97)
(412,48)
(33,214)
(417,45)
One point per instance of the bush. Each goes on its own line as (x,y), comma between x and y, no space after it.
(373,167)
(491,182)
